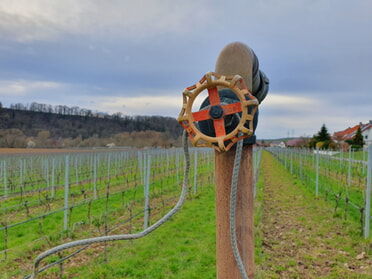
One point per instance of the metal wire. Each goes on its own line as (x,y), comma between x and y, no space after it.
(141,234)
(234,188)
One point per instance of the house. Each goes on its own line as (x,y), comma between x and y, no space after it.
(367,133)
(349,133)
(277,144)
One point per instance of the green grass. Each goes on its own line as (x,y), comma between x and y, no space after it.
(184,247)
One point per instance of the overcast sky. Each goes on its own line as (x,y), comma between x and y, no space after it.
(136,57)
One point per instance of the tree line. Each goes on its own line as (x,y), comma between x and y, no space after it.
(39,125)
(63,110)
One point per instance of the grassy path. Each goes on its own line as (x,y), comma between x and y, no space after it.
(302,237)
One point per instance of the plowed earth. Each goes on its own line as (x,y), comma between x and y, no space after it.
(302,235)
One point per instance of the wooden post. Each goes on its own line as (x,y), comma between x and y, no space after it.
(226,264)
(235,58)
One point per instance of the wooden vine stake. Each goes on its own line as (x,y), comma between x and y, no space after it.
(235,58)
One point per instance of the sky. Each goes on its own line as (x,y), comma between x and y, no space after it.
(136,57)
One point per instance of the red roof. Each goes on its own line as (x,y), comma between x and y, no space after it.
(349,133)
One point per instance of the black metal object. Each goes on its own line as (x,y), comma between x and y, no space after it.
(260,88)
(260,82)
(216,112)
(227,96)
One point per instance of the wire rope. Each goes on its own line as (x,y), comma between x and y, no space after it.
(141,234)
(233,194)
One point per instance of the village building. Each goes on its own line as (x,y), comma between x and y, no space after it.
(349,133)
(277,144)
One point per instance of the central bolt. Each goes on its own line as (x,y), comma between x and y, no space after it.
(216,112)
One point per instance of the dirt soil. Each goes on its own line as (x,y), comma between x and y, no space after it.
(302,238)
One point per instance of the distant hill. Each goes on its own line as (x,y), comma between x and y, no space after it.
(48,129)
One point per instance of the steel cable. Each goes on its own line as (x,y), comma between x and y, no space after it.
(234,189)
(141,234)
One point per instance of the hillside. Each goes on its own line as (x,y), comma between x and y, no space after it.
(19,128)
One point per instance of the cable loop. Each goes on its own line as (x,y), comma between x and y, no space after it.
(141,234)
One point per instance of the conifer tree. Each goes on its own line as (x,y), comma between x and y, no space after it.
(358,138)
(323,134)
(323,137)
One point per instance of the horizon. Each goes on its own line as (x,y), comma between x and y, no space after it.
(288,137)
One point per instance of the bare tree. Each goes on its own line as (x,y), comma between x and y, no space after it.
(12,138)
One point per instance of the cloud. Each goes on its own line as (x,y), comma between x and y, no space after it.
(143,105)
(280,99)
(136,20)
(21,88)
(107,54)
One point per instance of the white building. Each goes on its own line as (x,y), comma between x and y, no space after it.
(367,133)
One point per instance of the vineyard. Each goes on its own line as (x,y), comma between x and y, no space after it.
(50,198)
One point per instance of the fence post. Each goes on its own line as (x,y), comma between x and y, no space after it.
(227,267)
(95,177)
(233,174)
(300,158)
(349,170)
(20,174)
(5,180)
(317,173)
(53,169)
(66,192)
(109,168)
(177,168)
(47,173)
(195,169)
(291,167)
(235,59)
(147,192)
(256,171)
(76,171)
(368,194)
(139,156)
